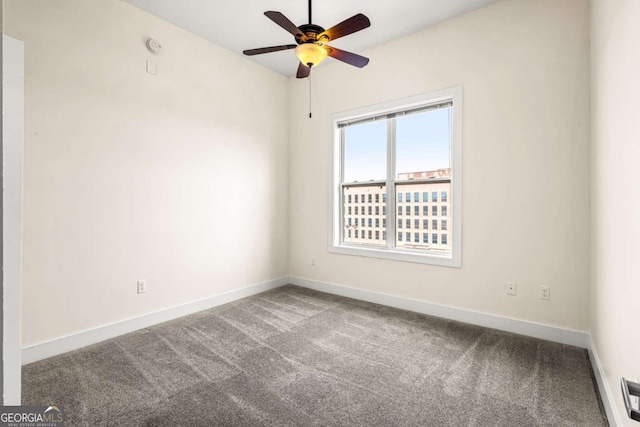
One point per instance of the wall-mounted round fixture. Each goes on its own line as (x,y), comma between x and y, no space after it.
(154,46)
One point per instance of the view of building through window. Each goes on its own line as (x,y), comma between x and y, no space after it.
(428,204)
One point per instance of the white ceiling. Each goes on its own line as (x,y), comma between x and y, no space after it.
(239,25)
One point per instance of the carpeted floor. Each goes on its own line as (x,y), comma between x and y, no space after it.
(296,357)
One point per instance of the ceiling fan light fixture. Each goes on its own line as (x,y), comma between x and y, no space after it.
(311,54)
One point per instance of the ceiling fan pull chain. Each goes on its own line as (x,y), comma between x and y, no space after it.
(309,95)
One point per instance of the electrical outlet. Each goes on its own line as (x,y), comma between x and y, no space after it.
(313,260)
(142,286)
(545,293)
(511,288)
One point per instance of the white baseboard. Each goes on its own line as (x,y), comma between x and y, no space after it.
(81,339)
(603,385)
(522,327)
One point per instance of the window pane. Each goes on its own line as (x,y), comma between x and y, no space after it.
(365,152)
(425,190)
(362,231)
(423,144)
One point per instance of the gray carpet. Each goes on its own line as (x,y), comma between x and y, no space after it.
(296,357)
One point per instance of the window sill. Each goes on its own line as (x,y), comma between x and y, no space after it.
(448,260)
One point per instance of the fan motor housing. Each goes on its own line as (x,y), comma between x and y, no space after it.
(311,31)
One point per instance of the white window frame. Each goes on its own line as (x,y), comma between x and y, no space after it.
(454,259)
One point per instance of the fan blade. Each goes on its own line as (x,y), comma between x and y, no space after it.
(349,26)
(268,49)
(303,71)
(284,22)
(348,57)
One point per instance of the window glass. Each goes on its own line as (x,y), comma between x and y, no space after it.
(365,152)
(423,143)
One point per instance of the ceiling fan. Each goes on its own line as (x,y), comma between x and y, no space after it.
(311,47)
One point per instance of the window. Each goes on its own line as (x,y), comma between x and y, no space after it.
(349,221)
(377,198)
(377,235)
(425,237)
(384,222)
(369,210)
(361,210)
(443,210)
(369,222)
(443,239)
(434,211)
(369,198)
(362,222)
(377,210)
(434,238)
(434,224)
(349,210)
(369,234)
(409,151)
(378,223)
(443,225)
(349,199)
(384,235)
(349,233)
(408,223)
(356,233)
(362,198)
(425,224)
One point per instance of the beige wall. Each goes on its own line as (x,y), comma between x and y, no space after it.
(179,178)
(615,107)
(524,68)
